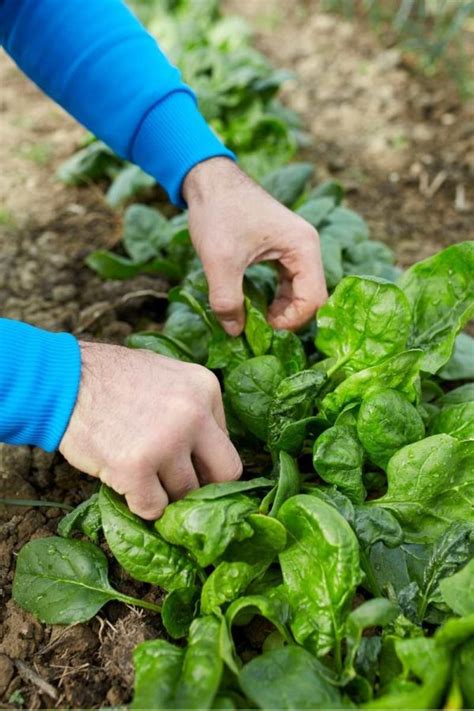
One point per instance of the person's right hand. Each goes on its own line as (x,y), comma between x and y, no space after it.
(150,427)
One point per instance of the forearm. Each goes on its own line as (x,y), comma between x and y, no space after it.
(39,382)
(98,62)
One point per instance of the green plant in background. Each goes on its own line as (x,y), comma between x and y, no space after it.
(434,31)
(350,539)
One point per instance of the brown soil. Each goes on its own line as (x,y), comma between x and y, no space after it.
(399,143)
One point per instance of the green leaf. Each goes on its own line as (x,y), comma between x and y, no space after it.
(250,388)
(91,163)
(289,678)
(431,485)
(338,457)
(258,331)
(243,563)
(178,611)
(373,524)
(398,372)
(449,553)
(112,266)
(329,188)
(210,492)
(226,352)
(422,659)
(170,677)
(461,364)
(145,232)
(316,210)
(130,181)
(321,572)
(458,590)
(139,550)
(464,393)
(205,528)
(293,400)
(161,344)
(378,612)
(440,291)
(349,226)
(85,518)
(287,183)
(455,420)
(386,422)
(287,347)
(365,320)
(63,581)
(156,660)
(188,328)
(331,253)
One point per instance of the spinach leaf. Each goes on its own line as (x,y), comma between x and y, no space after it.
(161,344)
(85,518)
(128,182)
(171,677)
(386,422)
(210,492)
(287,183)
(243,564)
(179,609)
(329,188)
(464,393)
(206,527)
(226,352)
(338,457)
(156,660)
(64,581)
(139,550)
(398,372)
(113,266)
(186,327)
(461,364)
(316,210)
(455,420)
(347,225)
(293,400)
(377,612)
(373,524)
(145,232)
(458,590)
(250,388)
(424,660)
(289,678)
(431,485)
(365,320)
(331,253)
(321,572)
(287,347)
(440,290)
(258,331)
(93,162)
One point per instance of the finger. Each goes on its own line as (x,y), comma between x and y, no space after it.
(226,295)
(219,412)
(147,498)
(302,287)
(178,477)
(215,457)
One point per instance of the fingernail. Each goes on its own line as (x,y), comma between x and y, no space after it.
(231,327)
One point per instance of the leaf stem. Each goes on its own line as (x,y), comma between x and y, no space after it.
(138,603)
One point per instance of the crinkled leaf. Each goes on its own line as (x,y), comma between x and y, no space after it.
(338,457)
(455,420)
(287,347)
(440,291)
(458,590)
(161,344)
(321,571)
(287,183)
(85,518)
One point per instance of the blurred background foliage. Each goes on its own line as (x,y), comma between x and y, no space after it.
(436,34)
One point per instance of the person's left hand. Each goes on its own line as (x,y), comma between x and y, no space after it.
(235,223)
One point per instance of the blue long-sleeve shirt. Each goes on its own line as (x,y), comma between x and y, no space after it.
(97,61)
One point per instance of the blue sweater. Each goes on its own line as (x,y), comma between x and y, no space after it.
(97,61)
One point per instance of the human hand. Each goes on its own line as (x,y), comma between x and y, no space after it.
(150,427)
(235,223)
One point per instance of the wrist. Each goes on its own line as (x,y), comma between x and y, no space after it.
(210,177)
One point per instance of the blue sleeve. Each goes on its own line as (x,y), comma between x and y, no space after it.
(39,382)
(95,59)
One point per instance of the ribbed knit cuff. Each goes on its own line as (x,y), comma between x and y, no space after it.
(172,139)
(39,383)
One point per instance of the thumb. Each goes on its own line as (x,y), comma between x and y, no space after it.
(226,296)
